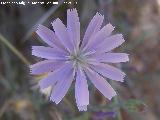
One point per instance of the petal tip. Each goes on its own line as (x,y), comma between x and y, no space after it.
(54,21)
(82,108)
(57,102)
(99,14)
(127,57)
(39,27)
(113,95)
(111,26)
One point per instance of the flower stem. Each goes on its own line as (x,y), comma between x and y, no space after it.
(116,101)
(13,49)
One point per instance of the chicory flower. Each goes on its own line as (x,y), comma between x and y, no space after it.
(68,57)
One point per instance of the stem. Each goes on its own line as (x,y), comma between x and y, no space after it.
(119,116)
(42,19)
(13,49)
(116,101)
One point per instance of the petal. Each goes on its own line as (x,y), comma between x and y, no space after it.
(45,66)
(73,26)
(93,28)
(109,72)
(62,34)
(47,52)
(100,36)
(62,86)
(101,84)
(48,36)
(82,108)
(110,43)
(81,90)
(56,76)
(110,57)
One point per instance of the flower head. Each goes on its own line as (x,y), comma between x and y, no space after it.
(69,58)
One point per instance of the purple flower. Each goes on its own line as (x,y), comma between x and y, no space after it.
(69,58)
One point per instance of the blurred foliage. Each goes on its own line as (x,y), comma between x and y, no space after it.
(138,97)
(134,105)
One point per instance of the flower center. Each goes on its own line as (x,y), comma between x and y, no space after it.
(76,57)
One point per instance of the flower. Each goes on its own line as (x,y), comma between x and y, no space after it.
(69,58)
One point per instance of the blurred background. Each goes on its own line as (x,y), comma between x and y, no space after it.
(138,97)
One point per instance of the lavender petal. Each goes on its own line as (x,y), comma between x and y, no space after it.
(81,90)
(100,36)
(48,53)
(63,85)
(101,84)
(110,43)
(73,26)
(82,108)
(49,37)
(93,28)
(111,57)
(45,66)
(109,72)
(62,34)
(56,76)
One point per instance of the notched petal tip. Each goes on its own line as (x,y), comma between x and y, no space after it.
(30,68)
(57,102)
(99,14)
(34,47)
(71,10)
(123,77)
(55,21)
(74,9)
(111,26)
(113,95)
(127,57)
(39,29)
(82,108)
(33,50)
(53,100)
(119,35)
(30,71)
